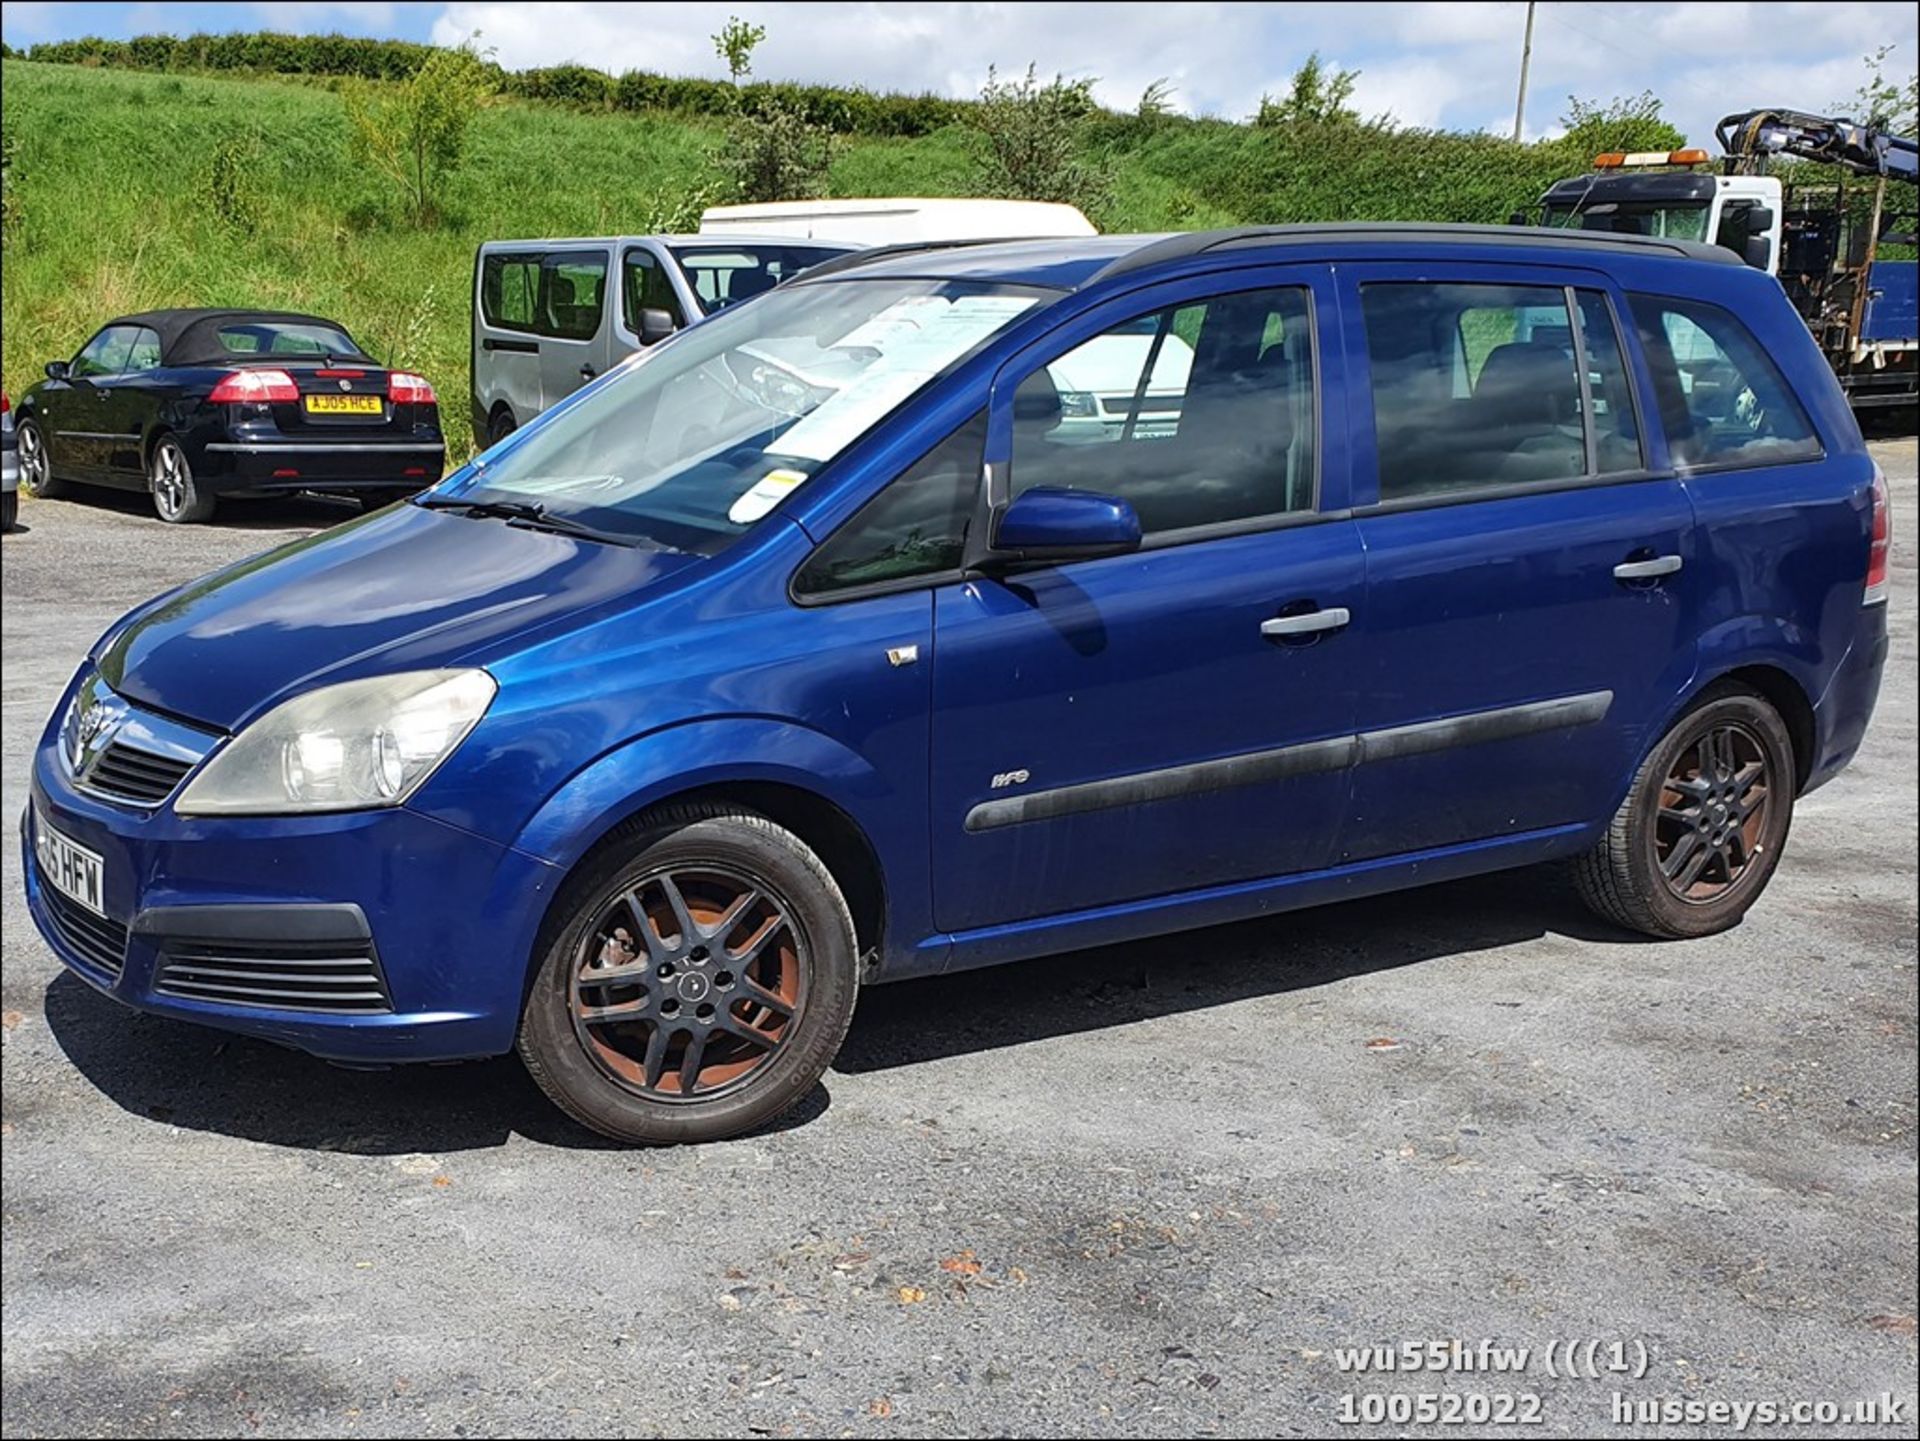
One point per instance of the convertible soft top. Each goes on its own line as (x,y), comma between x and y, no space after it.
(192,337)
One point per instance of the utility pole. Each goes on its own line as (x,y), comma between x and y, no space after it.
(1526,56)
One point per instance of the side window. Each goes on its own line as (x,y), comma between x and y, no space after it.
(1476,387)
(645,286)
(106,353)
(571,288)
(145,352)
(508,285)
(1199,414)
(1722,399)
(917,526)
(1616,427)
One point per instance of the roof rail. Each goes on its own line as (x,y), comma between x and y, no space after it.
(1201,242)
(853,259)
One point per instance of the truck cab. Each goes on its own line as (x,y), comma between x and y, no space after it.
(1743,213)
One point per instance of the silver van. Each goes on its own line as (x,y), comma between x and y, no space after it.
(546,320)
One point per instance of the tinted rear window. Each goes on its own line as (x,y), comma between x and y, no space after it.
(273,337)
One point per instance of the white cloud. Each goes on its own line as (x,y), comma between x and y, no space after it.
(307,16)
(26,20)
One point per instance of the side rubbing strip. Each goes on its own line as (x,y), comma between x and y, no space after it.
(1188,780)
(1487,725)
(1312,758)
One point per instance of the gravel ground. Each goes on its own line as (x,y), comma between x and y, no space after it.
(1143,1191)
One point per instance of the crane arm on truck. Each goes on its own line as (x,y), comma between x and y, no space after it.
(1755,135)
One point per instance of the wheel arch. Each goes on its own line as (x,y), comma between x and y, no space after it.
(1781,687)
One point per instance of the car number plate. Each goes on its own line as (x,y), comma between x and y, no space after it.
(343,405)
(70,868)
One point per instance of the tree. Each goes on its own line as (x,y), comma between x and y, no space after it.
(734,43)
(414,131)
(774,152)
(1027,142)
(1317,95)
(1885,104)
(1627,123)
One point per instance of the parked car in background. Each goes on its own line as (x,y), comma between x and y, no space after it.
(899,221)
(549,315)
(819,649)
(196,405)
(9,465)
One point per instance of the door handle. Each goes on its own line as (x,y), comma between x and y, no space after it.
(1314,621)
(586,372)
(1650,569)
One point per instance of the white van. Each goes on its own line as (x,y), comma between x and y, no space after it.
(900,221)
(548,315)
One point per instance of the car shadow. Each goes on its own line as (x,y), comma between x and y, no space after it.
(299,511)
(977,1012)
(180,1074)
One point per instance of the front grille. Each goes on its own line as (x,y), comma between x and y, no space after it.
(101,943)
(341,977)
(128,773)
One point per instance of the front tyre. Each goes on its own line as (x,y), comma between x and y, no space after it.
(697,978)
(1703,825)
(176,499)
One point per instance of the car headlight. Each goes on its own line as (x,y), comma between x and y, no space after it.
(346,747)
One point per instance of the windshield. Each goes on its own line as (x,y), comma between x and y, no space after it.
(1675,220)
(692,442)
(723,275)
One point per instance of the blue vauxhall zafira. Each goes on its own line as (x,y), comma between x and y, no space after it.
(952,605)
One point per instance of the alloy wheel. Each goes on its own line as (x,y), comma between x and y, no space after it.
(33,459)
(1713,813)
(170,490)
(689,983)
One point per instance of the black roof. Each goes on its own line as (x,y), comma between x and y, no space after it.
(190,336)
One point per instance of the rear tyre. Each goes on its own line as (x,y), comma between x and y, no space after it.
(697,977)
(1703,825)
(9,509)
(499,426)
(36,465)
(176,499)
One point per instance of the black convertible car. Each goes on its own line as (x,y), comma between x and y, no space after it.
(193,405)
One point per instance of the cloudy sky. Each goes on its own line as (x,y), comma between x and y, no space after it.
(1451,65)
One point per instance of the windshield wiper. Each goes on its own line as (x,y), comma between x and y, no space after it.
(530,514)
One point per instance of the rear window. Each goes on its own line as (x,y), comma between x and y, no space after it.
(723,275)
(1481,387)
(572,285)
(273,337)
(1723,401)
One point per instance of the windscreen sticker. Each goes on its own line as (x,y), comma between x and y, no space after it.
(767,492)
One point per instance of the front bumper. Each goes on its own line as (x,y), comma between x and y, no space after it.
(344,465)
(426,931)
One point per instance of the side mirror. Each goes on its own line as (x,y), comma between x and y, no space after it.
(655,326)
(1518,217)
(1050,524)
(1759,219)
(1758,251)
(56,370)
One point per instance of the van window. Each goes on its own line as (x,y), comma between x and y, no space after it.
(916,527)
(723,275)
(1723,401)
(1476,387)
(1199,414)
(572,283)
(508,285)
(645,286)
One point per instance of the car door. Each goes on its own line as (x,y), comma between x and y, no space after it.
(573,322)
(646,283)
(1529,602)
(506,359)
(80,419)
(129,402)
(1135,726)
